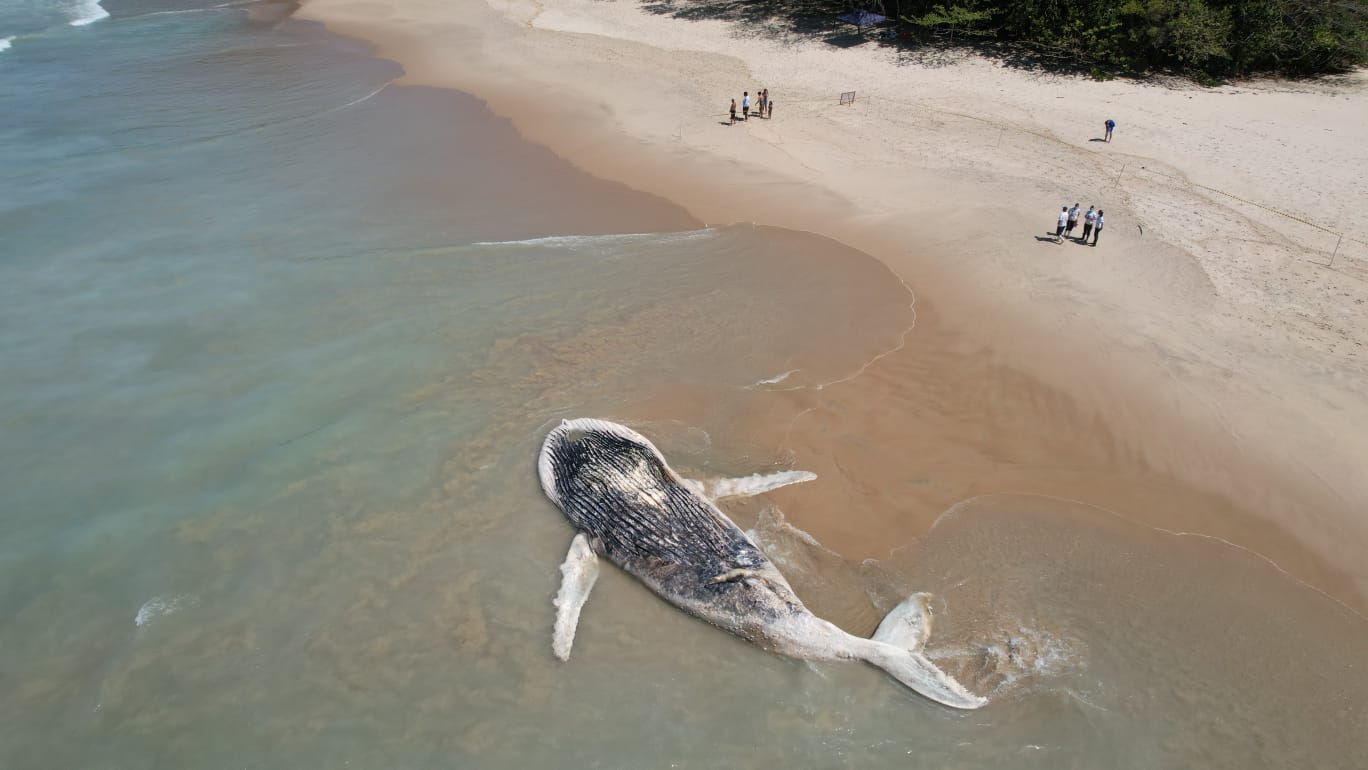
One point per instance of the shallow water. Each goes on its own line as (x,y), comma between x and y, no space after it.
(280,344)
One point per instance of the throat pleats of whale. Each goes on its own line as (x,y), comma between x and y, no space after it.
(629,506)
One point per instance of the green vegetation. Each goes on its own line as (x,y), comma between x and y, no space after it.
(1205,39)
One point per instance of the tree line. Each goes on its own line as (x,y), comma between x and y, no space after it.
(1204,39)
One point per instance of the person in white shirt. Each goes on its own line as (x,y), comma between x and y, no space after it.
(1063,223)
(745,105)
(1073,220)
(1097,228)
(1089,219)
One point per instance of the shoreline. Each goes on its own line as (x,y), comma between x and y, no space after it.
(1158,342)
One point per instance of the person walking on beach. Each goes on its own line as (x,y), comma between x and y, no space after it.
(1097,228)
(1110,124)
(1088,220)
(769,107)
(745,105)
(733,113)
(1073,220)
(1063,223)
(764,102)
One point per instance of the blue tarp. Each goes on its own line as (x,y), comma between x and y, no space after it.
(861,18)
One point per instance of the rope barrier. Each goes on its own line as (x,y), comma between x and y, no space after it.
(1256,204)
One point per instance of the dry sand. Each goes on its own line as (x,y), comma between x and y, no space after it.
(1200,369)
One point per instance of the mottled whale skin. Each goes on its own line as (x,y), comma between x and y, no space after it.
(629,505)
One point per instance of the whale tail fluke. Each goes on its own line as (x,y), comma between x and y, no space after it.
(908,625)
(917,672)
(897,649)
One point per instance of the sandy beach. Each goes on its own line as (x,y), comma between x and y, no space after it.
(288,307)
(1200,370)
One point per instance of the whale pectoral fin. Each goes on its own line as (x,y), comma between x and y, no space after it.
(908,625)
(578,573)
(748,486)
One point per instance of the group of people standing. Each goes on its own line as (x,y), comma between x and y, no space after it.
(764,107)
(1068,220)
(1093,219)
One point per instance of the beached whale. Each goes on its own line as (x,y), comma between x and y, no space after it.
(629,505)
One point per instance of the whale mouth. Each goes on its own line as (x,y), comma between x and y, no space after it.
(558,447)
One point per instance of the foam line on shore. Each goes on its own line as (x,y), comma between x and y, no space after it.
(355,102)
(86,12)
(572,241)
(864,367)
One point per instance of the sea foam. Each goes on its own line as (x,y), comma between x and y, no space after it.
(5,43)
(85,12)
(156,607)
(775,380)
(572,241)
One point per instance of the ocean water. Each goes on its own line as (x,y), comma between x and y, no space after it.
(279,343)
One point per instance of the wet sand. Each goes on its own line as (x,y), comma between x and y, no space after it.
(1141,376)
(947,418)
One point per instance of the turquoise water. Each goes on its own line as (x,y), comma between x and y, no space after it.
(279,344)
(274,337)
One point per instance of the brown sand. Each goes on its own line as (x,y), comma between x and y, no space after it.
(1199,370)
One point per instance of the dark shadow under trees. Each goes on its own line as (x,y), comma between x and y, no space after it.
(1206,40)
